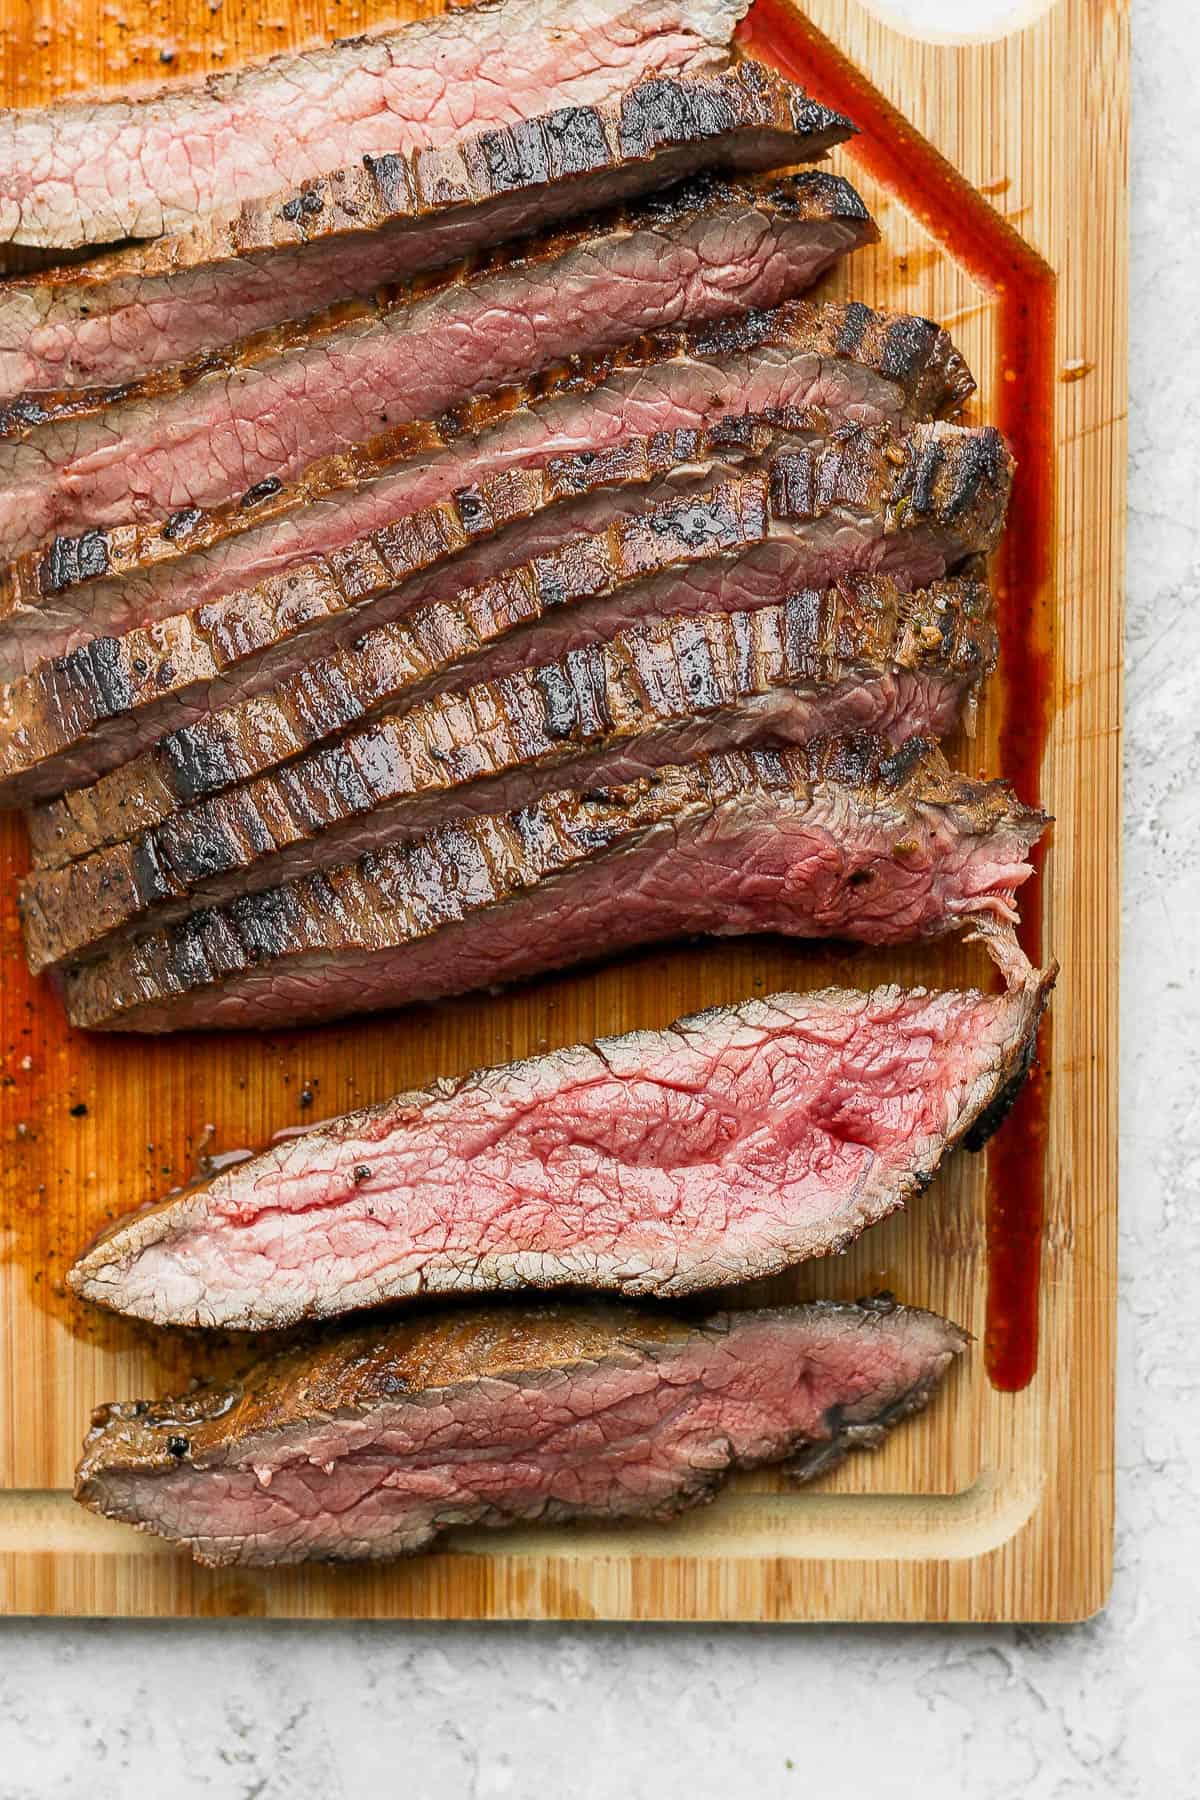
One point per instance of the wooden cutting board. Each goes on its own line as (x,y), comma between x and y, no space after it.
(997,172)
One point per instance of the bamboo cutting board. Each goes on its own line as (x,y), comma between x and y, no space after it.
(996,171)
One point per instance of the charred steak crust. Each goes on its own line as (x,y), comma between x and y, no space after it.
(600,714)
(938,481)
(914,354)
(989,1122)
(820,635)
(273,403)
(95,171)
(947,628)
(894,840)
(646,1164)
(813,194)
(508,1401)
(387,217)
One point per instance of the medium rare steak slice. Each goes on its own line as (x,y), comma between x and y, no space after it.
(866,658)
(867,629)
(856,501)
(340,236)
(831,839)
(374,1440)
(202,435)
(724,1149)
(859,366)
(917,657)
(89,172)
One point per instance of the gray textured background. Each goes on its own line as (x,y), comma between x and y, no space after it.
(1110,1708)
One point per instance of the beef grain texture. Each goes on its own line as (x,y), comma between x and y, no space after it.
(944,636)
(90,172)
(727,1148)
(372,1442)
(856,365)
(386,219)
(830,839)
(862,658)
(202,434)
(809,509)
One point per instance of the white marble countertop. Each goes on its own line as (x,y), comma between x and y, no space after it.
(1111,1708)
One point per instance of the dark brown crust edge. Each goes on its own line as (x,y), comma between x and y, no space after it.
(656,114)
(813,194)
(557,835)
(936,475)
(206,852)
(992,1118)
(911,351)
(819,1459)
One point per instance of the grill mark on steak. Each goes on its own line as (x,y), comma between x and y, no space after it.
(202,433)
(849,493)
(115,317)
(86,171)
(865,657)
(827,839)
(69,562)
(768,361)
(540,1413)
(729,1147)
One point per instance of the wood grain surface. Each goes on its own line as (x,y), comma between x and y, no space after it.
(993,1505)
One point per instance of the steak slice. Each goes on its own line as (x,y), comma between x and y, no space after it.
(920,656)
(112,319)
(727,1148)
(866,627)
(866,658)
(858,500)
(860,366)
(203,434)
(829,839)
(372,1441)
(89,172)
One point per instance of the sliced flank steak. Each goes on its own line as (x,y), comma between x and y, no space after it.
(92,171)
(726,1148)
(908,655)
(856,365)
(387,218)
(375,1440)
(864,658)
(857,500)
(205,433)
(836,838)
